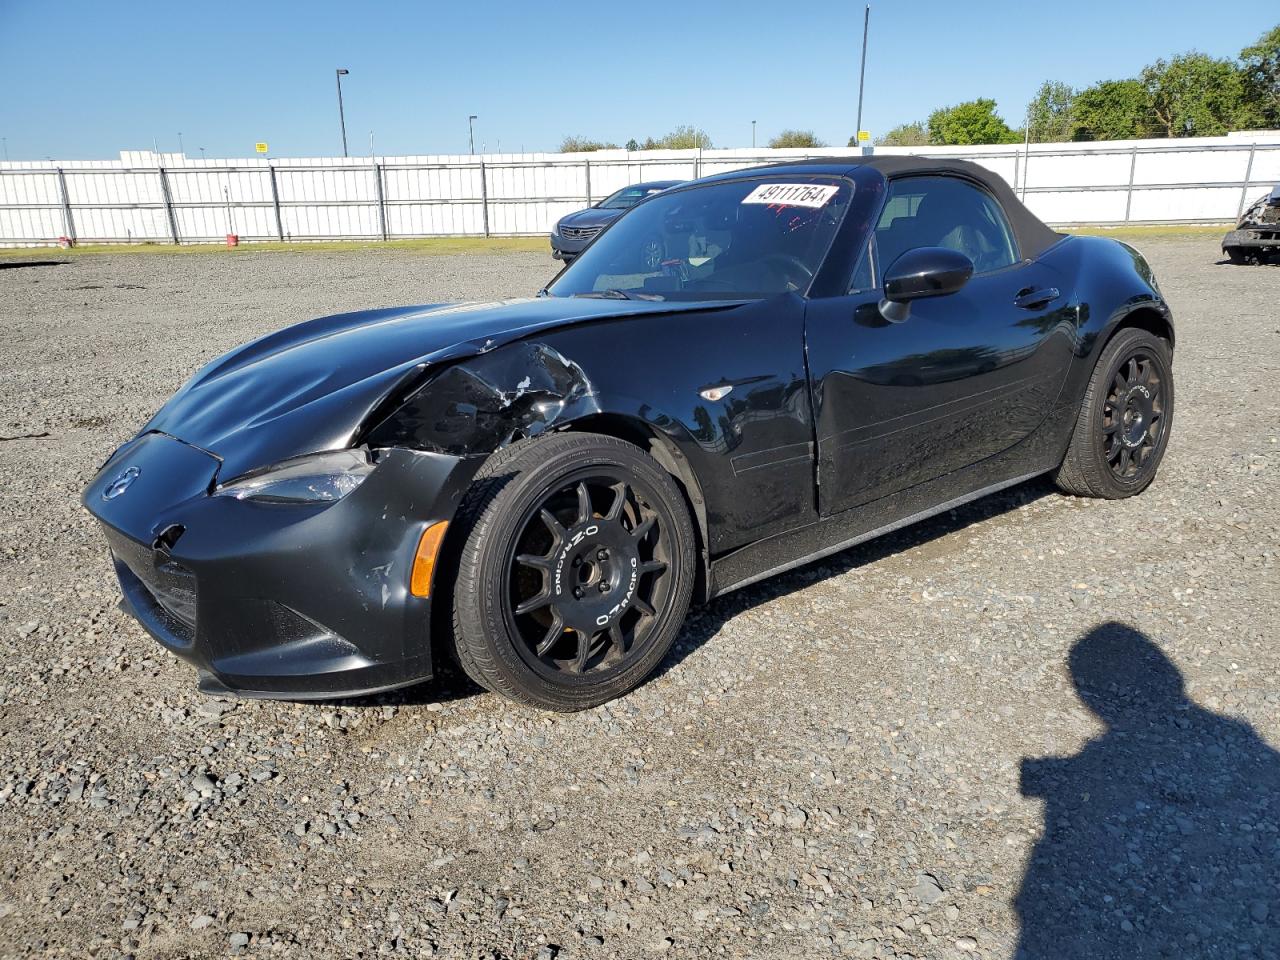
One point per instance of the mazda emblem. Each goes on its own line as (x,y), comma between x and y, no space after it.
(121,483)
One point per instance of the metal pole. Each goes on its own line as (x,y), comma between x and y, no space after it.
(1026,155)
(471,132)
(587,164)
(753,134)
(168,204)
(382,203)
(70,224)
(1248,172)
(484,198)
(862,72)
(275,201)
(1128,195)
(342,117)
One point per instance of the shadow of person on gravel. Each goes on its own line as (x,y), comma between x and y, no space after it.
(1162,836)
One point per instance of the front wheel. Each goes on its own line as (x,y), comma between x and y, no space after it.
(1124,421)
(576,573)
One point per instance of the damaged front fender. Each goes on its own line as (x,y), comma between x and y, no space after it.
(488,401)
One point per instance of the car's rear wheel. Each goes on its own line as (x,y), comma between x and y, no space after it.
(1124,421)
(576,572)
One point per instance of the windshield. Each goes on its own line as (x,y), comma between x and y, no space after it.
(627,197)
(741,239)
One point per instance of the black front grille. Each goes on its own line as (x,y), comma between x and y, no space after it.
(171,585)
(579,233)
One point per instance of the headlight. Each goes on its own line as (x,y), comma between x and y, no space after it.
(319,478)
(555,227)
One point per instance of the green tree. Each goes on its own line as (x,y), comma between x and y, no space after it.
(632,145)
(796,138)
(974,121)
(904,135)
(1049,112)
(1195,95)
(1112,110)
(1260,70)
(681,138)
(584,145)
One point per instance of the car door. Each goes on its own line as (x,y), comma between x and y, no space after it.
(964,377)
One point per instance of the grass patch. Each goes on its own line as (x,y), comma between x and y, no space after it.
(1150,231)
(423,245)
(486,245)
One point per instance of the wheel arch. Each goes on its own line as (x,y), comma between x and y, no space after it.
(661,447)
(1144,317)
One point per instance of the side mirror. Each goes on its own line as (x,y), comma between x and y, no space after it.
(920,273)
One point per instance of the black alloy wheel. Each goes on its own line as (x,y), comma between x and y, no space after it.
(1125,418)
(576,570)
(1132,415)
(590,573)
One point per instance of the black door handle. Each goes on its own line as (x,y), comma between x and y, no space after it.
(1031,299)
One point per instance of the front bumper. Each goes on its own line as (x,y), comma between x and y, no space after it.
(1253,238)
(295,601)
(562,248)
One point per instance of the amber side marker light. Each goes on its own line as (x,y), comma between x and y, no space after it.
(424,561)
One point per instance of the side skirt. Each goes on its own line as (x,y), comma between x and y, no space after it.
(841,524)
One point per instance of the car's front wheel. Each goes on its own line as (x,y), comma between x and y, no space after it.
(576,572)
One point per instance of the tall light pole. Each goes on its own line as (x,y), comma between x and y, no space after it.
(471,131)
(753,134)
(181,149)
(862,72)
(5,140)
(342,118)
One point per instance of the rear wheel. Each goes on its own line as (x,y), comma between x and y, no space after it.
(576,573)
(1124,421)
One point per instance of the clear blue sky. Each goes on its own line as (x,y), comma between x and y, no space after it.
(87,78)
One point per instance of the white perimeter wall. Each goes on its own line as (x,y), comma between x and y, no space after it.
(1142,181)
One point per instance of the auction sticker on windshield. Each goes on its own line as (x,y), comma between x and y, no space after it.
(792,194)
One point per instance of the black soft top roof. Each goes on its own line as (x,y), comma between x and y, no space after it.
(1034,237)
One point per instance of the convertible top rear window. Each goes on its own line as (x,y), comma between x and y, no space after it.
(737,239)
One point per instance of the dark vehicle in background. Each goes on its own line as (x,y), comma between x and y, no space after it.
(827,351)
(575,230)
(1257,234)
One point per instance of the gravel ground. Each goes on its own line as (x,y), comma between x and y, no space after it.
(1037,720)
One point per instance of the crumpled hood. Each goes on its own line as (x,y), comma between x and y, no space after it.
(590,217)
(309,387)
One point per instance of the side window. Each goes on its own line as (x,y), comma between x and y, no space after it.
(864,275)
(944,212)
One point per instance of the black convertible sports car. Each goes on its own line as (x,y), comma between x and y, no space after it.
(827,351)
